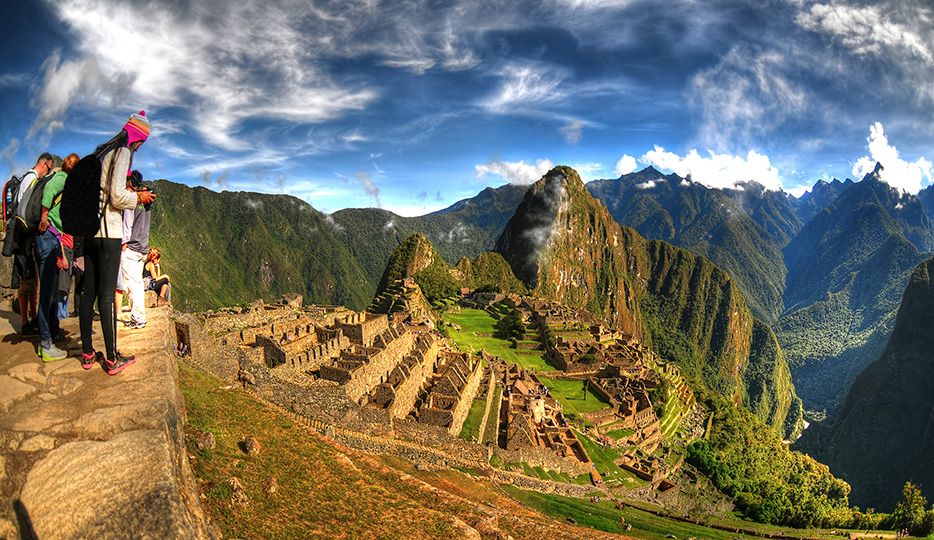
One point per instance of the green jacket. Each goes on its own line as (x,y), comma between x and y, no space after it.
(51,196)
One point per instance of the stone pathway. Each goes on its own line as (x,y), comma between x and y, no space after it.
(87,455)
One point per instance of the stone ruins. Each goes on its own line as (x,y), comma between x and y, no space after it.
(392,383)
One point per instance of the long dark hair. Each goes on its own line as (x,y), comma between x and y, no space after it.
(118,141)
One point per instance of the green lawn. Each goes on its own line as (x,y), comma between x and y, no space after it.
(603,516)
(618,434)
(471,429)
(477,333)
(570,395)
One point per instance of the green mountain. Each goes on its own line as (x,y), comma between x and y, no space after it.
(847,269)
(565,245)
(233,247)
(883,435)
(742,231)
(417,259)
(222,249)
(465,229)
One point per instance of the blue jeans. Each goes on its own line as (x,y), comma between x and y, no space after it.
(47,251)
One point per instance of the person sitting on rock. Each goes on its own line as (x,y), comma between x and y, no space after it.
(155,280)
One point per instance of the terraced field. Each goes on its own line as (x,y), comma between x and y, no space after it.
(475,332)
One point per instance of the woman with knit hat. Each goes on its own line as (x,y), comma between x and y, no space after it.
(102,252)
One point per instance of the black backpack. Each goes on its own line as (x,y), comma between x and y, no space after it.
(10,191)
(30,209)
(81,208)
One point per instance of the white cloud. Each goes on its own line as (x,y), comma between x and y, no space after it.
(573,132)
(515,172)
(720,171)
(901,174)
(223,64)
(646,185)
(625,165)
(525,85)
(747,94)
(589,171)
(864,30)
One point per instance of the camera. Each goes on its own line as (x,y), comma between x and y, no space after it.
(136,180)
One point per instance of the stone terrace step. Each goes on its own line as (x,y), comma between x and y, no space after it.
(74,443)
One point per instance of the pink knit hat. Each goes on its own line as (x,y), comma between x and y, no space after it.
(137,127)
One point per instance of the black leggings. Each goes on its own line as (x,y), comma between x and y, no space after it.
(101,264)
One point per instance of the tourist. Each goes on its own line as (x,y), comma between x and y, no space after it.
(136,253)
(101,254)
(48,250)
(24,261)
(154,279)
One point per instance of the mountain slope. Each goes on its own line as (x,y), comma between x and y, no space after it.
(565,245)
(847,269)
(742,231)
(884,433)
(230,248)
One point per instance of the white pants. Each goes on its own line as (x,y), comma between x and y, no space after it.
(131,276)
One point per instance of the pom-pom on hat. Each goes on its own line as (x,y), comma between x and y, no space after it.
(137,128)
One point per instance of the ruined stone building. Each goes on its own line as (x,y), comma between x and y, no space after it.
(452,391)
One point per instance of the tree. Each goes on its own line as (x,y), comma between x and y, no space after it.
(909,512)
(510,327)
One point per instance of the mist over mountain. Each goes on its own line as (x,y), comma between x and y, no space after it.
(883,435)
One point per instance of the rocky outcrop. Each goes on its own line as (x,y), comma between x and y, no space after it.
(88,455)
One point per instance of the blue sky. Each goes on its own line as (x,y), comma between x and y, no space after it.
(413,105)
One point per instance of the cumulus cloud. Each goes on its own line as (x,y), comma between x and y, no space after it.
(625,165)
(573,132)
(589,171)
(647,185)
(864,30)
(904,175)
(720,171)
(515,172)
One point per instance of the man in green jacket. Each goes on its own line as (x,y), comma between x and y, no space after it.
(48,250)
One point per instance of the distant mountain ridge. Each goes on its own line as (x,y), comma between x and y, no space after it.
(847,269)
(718,224)
(827,269)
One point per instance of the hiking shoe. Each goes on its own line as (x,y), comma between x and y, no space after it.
(29,329)
(134,324)
(89,359)
(59,336)
(51,353)
(118,364)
